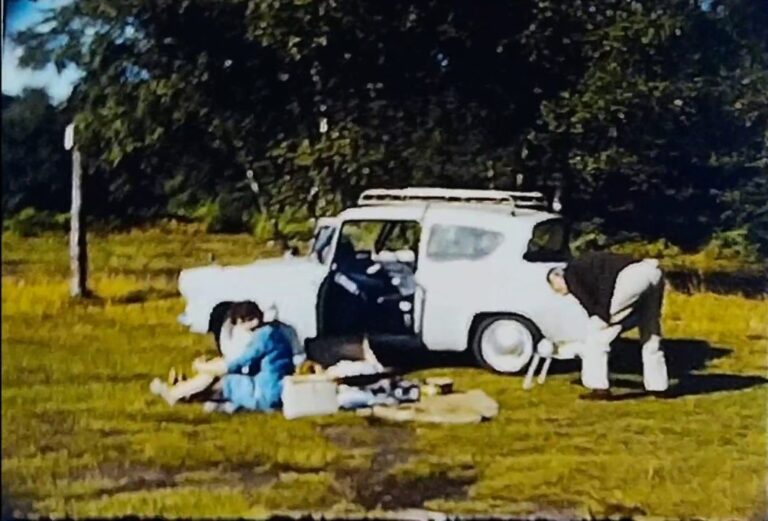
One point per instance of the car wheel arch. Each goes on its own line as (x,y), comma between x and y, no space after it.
(485,322)
(479,318)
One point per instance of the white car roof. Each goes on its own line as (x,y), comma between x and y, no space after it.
(326,221)
(468,214)
(400,212)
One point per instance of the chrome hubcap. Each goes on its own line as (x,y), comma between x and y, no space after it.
(507,345)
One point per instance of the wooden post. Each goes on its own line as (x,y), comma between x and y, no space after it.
(491,173)
(557,204)
(557,198)
(78,246)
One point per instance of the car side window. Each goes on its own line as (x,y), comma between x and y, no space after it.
(400,235)
(549,242)
(451,242)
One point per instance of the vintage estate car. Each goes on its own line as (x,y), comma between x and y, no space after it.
(442,269)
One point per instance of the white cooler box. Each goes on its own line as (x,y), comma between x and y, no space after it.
(309,395)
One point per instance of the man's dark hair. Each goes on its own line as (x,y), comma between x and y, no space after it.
(557,270)
(244,311)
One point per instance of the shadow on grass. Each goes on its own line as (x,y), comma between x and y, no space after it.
(116,379)
(379,485)
(403,356)
(168,272)
(694,384)
(144,295)
(12,267)
(12,508)
(684,357)
(139,296)
(414,360)
(749,283)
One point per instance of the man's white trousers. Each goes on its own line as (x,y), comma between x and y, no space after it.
(637,300)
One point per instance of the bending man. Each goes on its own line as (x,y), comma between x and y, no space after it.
(619,293)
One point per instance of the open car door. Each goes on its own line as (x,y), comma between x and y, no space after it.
(370,287)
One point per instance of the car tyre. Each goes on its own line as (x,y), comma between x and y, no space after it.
(505,343)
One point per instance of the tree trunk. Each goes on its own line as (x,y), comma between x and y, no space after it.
(78,248)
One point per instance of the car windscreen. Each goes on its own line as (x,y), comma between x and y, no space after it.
(549,242)
(366,239)
(321,242)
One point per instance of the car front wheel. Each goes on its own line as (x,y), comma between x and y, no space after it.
(505,343)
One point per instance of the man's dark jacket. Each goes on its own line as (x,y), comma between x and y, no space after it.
(591,278)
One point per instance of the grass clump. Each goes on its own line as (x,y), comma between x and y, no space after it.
(725,251)
(31,222)
(81,435)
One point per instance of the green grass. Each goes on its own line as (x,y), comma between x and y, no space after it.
(727,252)
(81,436)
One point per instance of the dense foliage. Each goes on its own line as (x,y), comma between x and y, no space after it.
(35,165)
(82,437)
(651,114)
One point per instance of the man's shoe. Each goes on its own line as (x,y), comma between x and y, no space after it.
(598,395)
(660,395)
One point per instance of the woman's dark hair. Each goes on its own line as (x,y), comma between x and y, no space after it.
(557,270)
(244,312)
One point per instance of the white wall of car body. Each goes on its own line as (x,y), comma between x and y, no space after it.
(502,282)
(452,292)
(289,284)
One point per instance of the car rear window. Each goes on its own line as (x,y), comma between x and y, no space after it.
(549,242)
(449,242)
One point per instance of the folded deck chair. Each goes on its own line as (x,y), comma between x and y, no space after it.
(547,351)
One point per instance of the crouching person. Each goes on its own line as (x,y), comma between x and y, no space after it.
(251,381)
(619,293)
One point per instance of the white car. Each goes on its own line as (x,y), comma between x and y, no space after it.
(443,269)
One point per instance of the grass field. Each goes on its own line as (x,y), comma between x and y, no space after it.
(81,436)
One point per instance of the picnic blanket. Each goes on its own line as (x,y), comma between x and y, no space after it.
(466,407)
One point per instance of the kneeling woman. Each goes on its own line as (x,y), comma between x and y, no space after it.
(253,380)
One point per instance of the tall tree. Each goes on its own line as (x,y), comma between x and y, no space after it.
(35,164)
(663,114)
(649,112)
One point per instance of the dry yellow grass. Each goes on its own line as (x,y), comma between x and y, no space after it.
(81,435)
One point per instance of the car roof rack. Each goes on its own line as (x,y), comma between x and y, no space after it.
(534,200)
(513,200)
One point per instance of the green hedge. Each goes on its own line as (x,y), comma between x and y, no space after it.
(30,222)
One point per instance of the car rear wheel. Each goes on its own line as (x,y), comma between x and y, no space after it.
(505,343)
